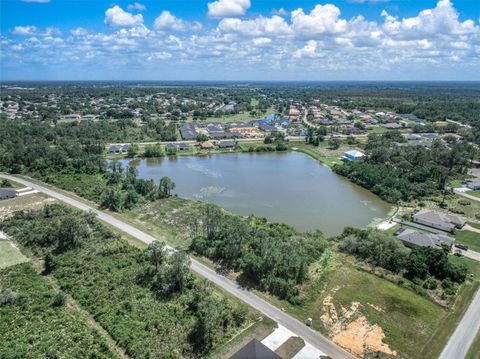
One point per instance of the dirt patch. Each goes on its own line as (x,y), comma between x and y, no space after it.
(350,329)
(17,204)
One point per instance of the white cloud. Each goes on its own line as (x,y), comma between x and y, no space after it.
(261,41)
(280,12)
(323,19)
(308,51)
(24,30)
(37,1)
(168,21)
(441,20)
(136,7)
(117,17)
(275,26)
(228,8)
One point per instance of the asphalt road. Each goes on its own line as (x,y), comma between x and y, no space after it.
(466,195)
(297,327)
(463,336)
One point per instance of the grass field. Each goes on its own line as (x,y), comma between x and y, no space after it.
(471,239)
(475,193)
(474,352)
(10,255)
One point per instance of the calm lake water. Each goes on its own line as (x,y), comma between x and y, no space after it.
(284,187)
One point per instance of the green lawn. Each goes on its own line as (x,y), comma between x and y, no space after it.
(471,239)
(10,255)
(475,193)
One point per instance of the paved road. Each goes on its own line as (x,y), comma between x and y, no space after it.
(466,195)
(459,343)
(470,254)
(297,327)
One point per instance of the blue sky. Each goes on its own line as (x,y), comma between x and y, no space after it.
(240,40)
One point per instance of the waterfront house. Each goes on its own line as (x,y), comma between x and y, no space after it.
(412,238)
(442,221)
(183,146)
(171,146)
(353,155)
(473,183)
(207,145)
(228,144)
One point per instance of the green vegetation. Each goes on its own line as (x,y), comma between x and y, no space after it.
(35,325)
(402,173)
(475,193)
(9,255)
(421,264)
(273,257)
(470,239)
(148,302)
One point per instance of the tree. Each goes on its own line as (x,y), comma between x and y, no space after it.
(202,138)
(334,143)
(165,187)
(132,150)
(156,253)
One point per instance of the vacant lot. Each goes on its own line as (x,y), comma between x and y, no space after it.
(471,239)
(33,325)
(9,255)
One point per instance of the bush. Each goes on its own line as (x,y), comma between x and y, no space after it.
(464,202)
(60,299)
(430,283)
(8,297)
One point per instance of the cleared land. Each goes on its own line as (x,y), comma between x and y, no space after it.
(471,239)
(9,254)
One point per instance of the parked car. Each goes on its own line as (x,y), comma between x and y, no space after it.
(461,246)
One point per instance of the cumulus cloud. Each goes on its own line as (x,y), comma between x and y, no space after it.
(168,21)
(323,19)
(227,8)
(136,7)
(274,25)
(117,17)
(441,20)
(24,30)
(308,51)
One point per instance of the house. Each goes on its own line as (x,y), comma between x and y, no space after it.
(352,155)
(255,350)
(392,126)
(444,222)
(473,183)
(228,144)
(7,193)
(171,147)
(183,146)
(207,145)
(413,238)
(118,148)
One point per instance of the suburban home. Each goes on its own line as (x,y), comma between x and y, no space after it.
(171,146)
(118,148)
(255,350)
(392,126)
(183,146)
(7,193)
(353,155)
(207,145)
(228,144)
(473,183)
(413,238)
(442,221)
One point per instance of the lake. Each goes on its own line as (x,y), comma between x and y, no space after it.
(288,187)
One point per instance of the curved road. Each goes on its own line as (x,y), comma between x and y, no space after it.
(317,340)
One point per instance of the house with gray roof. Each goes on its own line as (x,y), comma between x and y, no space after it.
(442,221)
(7,193)
(227,144)
(412,238)
(255,350)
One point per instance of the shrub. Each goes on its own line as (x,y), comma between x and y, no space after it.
(464,202)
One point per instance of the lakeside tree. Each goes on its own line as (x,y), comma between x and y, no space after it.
(166,187)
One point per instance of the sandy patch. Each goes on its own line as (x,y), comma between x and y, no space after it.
(352,331)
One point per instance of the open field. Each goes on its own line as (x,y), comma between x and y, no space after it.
(31,201)
(10,255)
(471,239)
(33,326)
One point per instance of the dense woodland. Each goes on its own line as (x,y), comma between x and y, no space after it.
(402,173)
(148,301)
(271,256)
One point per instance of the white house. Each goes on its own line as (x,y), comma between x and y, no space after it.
(353,155)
